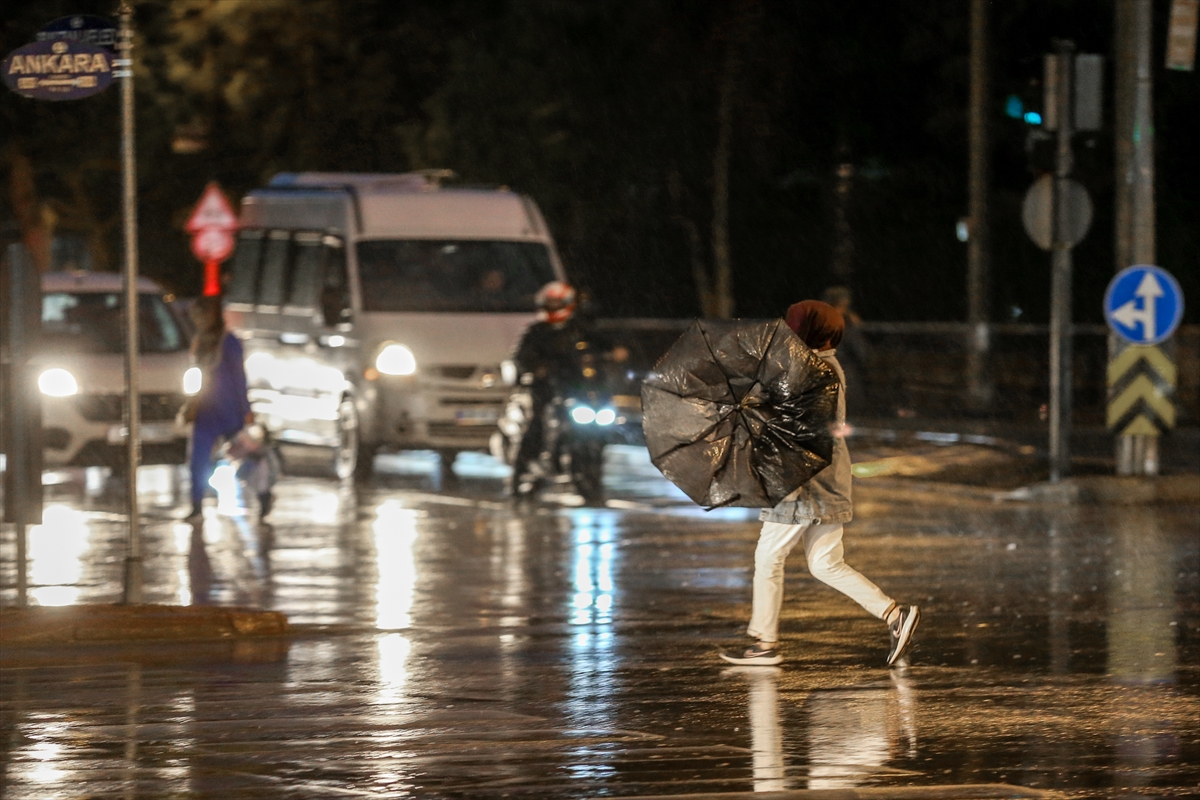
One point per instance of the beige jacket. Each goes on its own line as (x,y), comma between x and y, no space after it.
(825,498)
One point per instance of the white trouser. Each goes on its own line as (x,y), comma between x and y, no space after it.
(823,549)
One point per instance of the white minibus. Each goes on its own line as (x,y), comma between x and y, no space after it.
(376,309)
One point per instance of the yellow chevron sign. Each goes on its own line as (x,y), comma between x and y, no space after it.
(1141,383)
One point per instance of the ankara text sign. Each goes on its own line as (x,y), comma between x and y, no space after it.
(58,70)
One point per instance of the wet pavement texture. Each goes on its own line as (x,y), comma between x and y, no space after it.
(450,644)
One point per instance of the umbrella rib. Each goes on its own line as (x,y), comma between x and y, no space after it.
(717,361)
(762,362)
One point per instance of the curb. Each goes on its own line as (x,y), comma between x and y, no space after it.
(1101,490)
(980,791)
(1111,490)
(101,624)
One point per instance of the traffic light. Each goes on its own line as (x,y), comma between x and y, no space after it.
(1014,107)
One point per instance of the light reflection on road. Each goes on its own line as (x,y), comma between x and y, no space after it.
(394,532)
(56,555)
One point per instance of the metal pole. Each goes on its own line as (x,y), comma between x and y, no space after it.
(979,387)
(1060,281)
(1138,454)
(22,564)
(133,555)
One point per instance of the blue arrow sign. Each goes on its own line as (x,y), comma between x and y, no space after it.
(1143,304)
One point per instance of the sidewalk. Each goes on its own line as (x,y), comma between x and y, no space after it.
(38,626)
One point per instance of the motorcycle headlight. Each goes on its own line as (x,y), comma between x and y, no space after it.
(57,382)
(583,415)
(508,372)
(605,416)
(192,380)
(396,359)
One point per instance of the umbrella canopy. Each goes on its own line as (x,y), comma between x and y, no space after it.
(739,413)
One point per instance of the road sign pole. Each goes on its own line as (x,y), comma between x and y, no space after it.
(1059,69)
(133,555)
(1136,453)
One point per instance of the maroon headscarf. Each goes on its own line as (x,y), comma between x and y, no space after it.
(819,324)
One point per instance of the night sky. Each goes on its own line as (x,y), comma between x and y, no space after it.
(607,114)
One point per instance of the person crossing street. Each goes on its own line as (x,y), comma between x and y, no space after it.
(815,515)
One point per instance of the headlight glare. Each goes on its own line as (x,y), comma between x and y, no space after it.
(192,380)
(583,415)
(605,416)
(396,359)
(57,382)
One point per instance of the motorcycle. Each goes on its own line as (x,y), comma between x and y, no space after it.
(579,421)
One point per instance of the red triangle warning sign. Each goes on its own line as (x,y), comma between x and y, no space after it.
(212,212)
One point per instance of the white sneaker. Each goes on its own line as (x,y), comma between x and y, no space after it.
(754,656)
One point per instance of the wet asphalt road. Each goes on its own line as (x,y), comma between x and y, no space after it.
(452,645)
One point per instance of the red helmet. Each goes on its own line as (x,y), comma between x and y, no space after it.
(555,302)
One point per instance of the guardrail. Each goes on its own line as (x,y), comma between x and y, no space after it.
(895,367)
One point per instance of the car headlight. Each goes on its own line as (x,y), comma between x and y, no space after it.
(57,382)
(192,380)
(396,359)
(606,416)
(583,415)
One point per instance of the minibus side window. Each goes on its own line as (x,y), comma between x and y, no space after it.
(271,289)
(307,257)
(335,290)
(243,283)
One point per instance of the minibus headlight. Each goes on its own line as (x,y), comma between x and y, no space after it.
(57,382)
(192,379)
(396,359)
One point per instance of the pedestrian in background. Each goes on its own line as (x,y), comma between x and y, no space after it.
(814,514)
(854,353)
(221,407)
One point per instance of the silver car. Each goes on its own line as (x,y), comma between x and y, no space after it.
(82,372)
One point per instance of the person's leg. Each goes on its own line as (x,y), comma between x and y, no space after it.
(775,541)
(823,548)
(204,437)
(824,551)
(531,444)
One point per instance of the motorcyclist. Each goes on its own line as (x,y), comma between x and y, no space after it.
(555,354)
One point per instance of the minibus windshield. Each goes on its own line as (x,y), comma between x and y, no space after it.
(459,275)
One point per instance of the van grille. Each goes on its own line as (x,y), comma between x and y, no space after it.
(158,407)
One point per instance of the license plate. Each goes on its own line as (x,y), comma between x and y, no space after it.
(477,416)
(154,432)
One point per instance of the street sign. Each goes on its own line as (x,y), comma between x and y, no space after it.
(212,225)
(1181,35)
(212,244)
(58,70)
(85,28)
(1037,212)
(213,211)
(1141,382)
(1143,304)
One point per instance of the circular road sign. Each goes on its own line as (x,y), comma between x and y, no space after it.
(1037,212)
(212,244)
(1143,304)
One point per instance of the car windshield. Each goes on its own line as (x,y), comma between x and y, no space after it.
(94,322)
(426,275)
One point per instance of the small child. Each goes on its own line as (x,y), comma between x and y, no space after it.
(814,514)
(257,464)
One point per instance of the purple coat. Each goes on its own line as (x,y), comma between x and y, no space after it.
(223,403)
